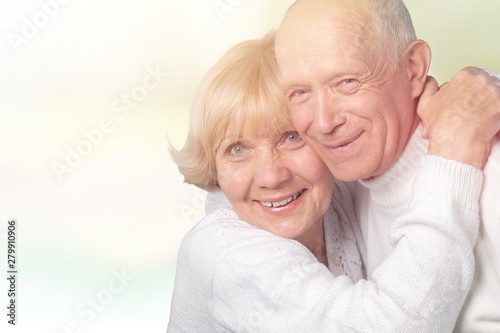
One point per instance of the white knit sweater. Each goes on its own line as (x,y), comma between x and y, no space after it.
(233,277)
(380,201)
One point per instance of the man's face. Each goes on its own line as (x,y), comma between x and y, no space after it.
(345,101)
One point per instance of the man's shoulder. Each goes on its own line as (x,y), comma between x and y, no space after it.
(491,184)
(493,73)
(494,158)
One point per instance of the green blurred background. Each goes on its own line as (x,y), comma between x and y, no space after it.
(68,70)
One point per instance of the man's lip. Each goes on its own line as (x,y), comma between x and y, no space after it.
(344,143)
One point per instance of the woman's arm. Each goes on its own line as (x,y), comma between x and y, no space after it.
(277,286)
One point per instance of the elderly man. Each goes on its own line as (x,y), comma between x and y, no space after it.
(355,75)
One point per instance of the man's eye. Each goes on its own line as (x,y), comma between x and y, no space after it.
(348,81)
(299,92)
(349,85)
(298,96)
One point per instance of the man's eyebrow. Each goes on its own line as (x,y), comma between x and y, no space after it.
(286,87)
(334,76)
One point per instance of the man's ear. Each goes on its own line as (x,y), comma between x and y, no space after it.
(418,61)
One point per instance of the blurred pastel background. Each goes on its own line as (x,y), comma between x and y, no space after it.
(90,91)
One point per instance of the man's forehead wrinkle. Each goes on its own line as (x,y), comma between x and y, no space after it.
(337,33)
(352,26)
(321,9)
(318,42)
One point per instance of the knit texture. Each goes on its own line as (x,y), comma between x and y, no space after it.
(380,201)
(233,277)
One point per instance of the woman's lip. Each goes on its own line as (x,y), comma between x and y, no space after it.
(282,197)
(282,209)
(281,203)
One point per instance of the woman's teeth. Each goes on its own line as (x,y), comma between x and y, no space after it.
(282,202)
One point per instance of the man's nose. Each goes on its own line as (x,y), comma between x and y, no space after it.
(326,112)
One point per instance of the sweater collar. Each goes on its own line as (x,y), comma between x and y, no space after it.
(395,186)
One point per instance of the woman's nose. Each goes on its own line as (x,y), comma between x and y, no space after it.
(271,171)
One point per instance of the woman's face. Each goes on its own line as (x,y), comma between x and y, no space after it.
(275,182)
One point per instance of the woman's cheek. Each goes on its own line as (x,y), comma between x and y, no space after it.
(232,180)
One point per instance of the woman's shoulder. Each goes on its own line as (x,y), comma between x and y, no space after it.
(342,201)
(212,230)
(221,237)
(221,225)
(342,232)
(217,234)
(344,191)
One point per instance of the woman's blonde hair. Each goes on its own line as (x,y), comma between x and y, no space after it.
(241,90)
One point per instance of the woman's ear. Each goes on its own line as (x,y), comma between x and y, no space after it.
(418,60)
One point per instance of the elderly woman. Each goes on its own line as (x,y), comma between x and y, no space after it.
(286,253)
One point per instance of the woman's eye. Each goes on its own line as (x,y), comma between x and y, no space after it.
(292,140)
(293,136)
(236,149)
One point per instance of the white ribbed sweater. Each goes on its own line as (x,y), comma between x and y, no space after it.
(380,201)
(233,277)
